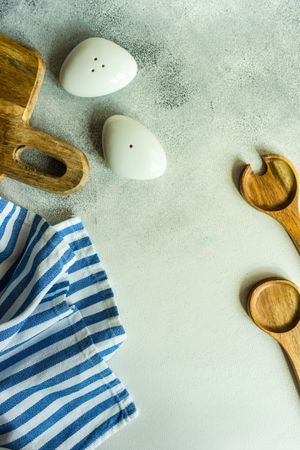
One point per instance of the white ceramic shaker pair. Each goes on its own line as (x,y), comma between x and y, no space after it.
(97,67)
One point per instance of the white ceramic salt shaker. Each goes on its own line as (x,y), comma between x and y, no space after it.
(97,67)
(131,150)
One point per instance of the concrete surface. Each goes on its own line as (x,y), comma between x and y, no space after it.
(218,82)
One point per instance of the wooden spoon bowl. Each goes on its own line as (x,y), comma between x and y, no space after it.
(275,193)
(274,306)
(273,190)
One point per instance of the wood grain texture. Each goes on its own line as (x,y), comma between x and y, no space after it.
(274,306)
(275,192)
(21,75)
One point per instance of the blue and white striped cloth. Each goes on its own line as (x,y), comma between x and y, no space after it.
(58,327)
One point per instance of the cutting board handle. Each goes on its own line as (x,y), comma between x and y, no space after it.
(22,70)
(74,160)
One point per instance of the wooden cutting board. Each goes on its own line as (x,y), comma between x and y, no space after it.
(21,74)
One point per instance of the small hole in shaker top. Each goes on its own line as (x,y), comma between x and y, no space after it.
(92,70)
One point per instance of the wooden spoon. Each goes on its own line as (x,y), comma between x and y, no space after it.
(274,306)
(275,193)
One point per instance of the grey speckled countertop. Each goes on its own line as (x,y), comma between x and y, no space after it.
(218,81)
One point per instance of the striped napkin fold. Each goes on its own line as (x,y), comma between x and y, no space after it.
(59,325)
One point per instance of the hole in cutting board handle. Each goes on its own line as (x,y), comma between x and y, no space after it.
(41,162)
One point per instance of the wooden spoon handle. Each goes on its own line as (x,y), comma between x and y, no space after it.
(290,220)
(290,342)
(76,164)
